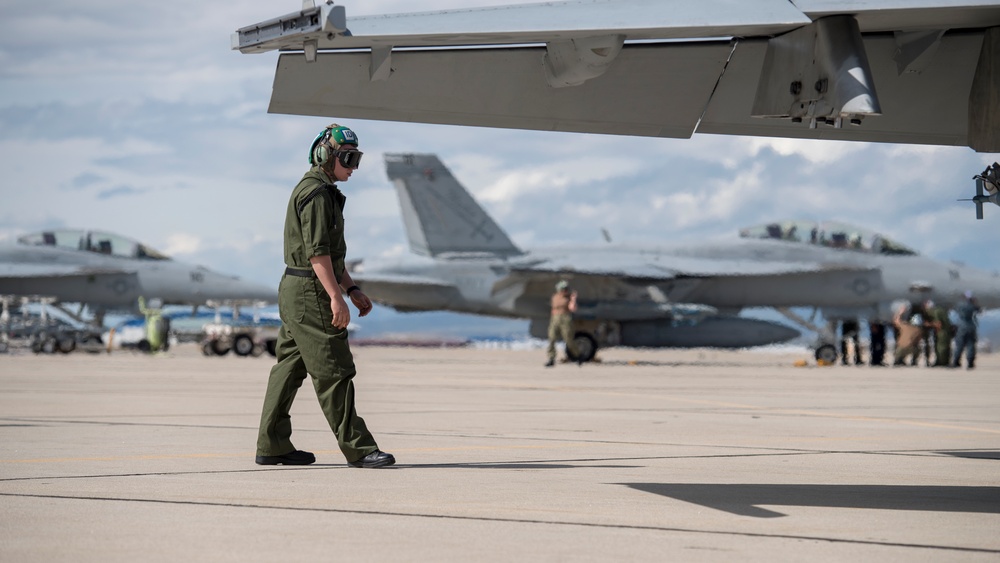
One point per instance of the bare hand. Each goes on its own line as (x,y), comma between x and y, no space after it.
(362,302)
(341,314)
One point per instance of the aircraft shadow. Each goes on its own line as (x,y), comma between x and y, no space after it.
(671,364)
(516,465)
(747,499)
(974,454)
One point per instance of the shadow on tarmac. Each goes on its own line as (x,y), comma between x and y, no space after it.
(975,454)
(745,499)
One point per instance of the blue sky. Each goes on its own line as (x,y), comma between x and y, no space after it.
(137,118)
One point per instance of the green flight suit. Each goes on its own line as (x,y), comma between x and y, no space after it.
(942,336)
(307,341)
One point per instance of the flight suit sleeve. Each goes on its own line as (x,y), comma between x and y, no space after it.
(315,221)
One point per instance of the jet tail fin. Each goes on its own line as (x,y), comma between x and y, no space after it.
(440,215)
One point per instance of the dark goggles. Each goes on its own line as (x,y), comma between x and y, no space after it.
(349,158)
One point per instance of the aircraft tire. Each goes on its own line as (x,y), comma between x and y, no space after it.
(219,348)
(586,345)
(144,345)
(243,345)
(49,345)
(66,344)
(206,348)
(827,354)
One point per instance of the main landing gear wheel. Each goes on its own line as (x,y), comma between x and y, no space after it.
(826,354)
(586,346)
(243,345)
(66,344)
(219,348)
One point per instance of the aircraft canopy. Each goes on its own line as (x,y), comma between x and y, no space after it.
(832,234)
(93,241)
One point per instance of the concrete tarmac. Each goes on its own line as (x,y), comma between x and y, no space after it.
(668,455)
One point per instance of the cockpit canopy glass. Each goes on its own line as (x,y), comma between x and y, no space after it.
(93,241)
(831,234)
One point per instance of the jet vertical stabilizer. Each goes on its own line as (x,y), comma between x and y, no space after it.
(440,215)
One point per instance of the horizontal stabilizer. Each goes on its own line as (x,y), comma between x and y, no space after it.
(391,290)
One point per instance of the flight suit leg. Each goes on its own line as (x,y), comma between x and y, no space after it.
(566,329)
(275,432)
(553,337)
(942,354)
(328,359)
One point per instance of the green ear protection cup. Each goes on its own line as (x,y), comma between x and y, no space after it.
(318,152)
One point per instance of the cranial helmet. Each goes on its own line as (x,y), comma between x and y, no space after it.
(328,141)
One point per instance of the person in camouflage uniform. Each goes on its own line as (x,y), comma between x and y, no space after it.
(314,315)
(563,305)
(940,324)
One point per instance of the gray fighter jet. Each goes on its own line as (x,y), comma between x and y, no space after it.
(682,295)
(109,272)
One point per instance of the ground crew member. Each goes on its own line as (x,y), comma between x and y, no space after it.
(907,343)
(918,313)
(877,331)
(937,317)
(849,331)
(965,337)
(561,322)
(157,326)
(314,315)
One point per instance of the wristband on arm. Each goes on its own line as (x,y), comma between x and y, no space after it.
(352,288)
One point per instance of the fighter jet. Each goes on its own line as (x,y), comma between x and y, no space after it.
(680,295)
(110,272)
(898,71)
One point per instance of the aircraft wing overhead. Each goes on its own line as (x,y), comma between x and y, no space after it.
(911,71)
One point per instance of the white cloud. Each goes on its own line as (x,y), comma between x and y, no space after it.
(182,243)
(814,151)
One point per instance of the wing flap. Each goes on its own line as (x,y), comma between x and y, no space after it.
(658,91)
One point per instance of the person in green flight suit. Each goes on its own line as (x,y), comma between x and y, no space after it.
(941,325)
(157,326)
(314,316)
